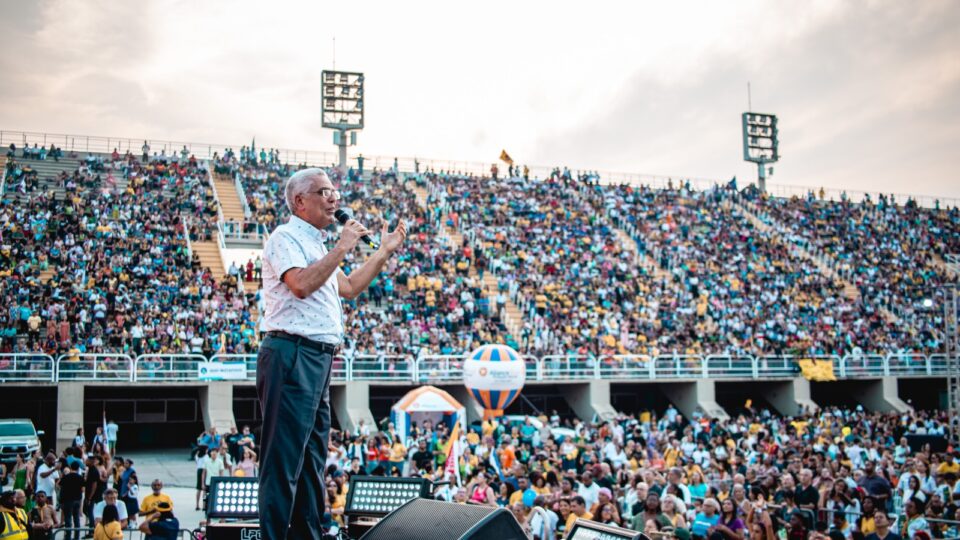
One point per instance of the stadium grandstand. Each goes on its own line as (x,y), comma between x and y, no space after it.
(695,341)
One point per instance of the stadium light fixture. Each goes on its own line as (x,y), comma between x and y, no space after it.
(760,142)
(343,108)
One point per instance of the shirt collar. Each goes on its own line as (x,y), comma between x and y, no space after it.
(308,229)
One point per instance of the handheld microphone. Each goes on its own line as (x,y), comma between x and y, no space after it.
(344,217)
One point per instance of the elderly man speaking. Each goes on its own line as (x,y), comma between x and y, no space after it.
(303,322)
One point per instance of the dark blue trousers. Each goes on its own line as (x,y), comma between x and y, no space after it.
(293,383)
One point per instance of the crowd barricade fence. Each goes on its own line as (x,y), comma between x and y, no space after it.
(68,533)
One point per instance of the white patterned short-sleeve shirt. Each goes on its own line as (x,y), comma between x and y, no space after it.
(318,317)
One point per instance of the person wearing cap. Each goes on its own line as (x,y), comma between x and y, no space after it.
(303,322)
(161,524)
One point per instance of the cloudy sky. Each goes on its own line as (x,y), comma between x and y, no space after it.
(867,92)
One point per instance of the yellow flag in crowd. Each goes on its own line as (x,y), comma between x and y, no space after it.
(817,370)
(505,157)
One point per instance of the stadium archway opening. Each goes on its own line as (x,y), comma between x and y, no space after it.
(149,418)
(924,394)
(634,398)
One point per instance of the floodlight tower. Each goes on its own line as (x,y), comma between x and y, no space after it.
(343,108)
(951,311)
(760,142)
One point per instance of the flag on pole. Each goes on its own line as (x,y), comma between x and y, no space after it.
(105,425)
(452,465)
(495,463)
(505,157)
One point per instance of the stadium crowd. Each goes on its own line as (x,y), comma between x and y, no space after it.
(122,278)
(892,253)
(593,270)
(839,473)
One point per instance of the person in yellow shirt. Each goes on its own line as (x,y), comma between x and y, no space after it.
(149,504)
(109,527)
(398,455)
(523,484)
(949,465)
(671,454)
(578,509)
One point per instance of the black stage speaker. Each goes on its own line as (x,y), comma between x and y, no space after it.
(233,531)
(426,519)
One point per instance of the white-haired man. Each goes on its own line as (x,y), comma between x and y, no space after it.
(303,321)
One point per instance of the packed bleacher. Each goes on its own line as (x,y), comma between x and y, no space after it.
(701,278)
(892,253)
(113,235)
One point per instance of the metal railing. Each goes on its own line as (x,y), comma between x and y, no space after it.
(167,367)
(68,533)
(37,367)
(43,368)
(94,367)
(243,230)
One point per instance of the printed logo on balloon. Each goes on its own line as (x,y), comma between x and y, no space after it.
(494,374)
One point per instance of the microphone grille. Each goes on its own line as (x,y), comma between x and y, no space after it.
(341,216)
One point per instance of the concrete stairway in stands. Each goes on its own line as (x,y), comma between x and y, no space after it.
(641,259)
(209,254)
(752,213)
(513,318)
(229,198)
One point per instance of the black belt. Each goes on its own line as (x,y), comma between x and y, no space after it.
(325,348)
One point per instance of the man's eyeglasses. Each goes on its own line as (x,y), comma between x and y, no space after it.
(326,193)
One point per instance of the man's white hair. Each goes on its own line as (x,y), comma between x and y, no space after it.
(300,182)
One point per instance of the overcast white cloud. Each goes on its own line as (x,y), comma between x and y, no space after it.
(868,92)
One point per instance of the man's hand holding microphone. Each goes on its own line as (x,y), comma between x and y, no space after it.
(353,233)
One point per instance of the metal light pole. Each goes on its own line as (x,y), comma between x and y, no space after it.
(951,307)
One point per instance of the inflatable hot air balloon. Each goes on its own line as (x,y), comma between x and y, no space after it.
(494,374)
